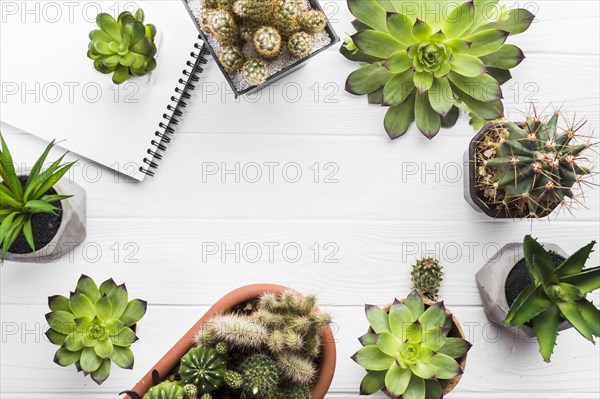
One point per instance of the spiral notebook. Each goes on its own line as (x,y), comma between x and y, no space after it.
(49,87)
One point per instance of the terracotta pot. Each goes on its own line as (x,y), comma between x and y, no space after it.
(244,294)
(491,281)
(456,331)
(471,193)
(72,229)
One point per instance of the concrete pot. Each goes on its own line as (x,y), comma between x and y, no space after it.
(241,295)
(72,230)
(491,281)
(457,332)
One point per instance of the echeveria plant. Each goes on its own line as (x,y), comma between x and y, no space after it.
(19,201)
(427,65)
(555,294)
(94,327)
(124,47)
(408,350)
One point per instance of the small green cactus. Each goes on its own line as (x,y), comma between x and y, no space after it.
(313,21)
(293,391)
(286,17)
(530,169)
(206,396)
(427,275)
(253,12)
(203,367)
(166,390)
(233,379)
(255,71)
(238,331)
(222,25)
(259,373)
(300,44)
(296,368)
(267,42)
(247,32)
(191,391)
(222,348)
(231,58)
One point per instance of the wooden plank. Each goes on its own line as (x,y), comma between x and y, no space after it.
(497,365)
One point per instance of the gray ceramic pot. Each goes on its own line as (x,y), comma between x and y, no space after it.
(72,230)
(491,281)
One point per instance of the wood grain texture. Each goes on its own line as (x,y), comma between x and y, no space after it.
(371,209)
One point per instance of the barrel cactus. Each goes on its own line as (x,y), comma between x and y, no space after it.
(203,367)
(557,293)
(408,351)
(293,391)
(231,58)
(223,26)
(166,390)
(286,17)
(255,71)
(260,377)
(125,47)
(233,379)
(426,66)
(427,275)
(531,168)
(94,327)
(300,44)
(267,42)
(313,21)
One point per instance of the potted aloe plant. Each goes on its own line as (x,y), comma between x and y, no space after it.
(414,348)
(426,65)
(538,290)
(94,327)
(42,215)
(258,342)
(124,47)
(528,169)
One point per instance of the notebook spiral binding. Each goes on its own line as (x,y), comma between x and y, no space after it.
(174,111)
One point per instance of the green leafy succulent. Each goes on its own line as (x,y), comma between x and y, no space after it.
(21,199)
(94,327)
(556,293)
(124,47)
(426,66)
(408,350)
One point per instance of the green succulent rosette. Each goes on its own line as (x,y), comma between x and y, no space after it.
(94,327)
(426,66)
(124,47)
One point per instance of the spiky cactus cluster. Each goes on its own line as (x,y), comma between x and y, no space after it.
(278,339)
(529,169)
(268,24)
(427,275)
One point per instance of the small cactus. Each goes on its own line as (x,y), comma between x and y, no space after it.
(206,396)
(286,17)
(238,331)
(255,71)
(313,21)
(530,169)
(203,367)
(164,390)
(231,58)
(260,377)
(222,25)
(267,42)
(293,391)
(222,348)
(296,368)
(233,379)
(427,275)
(300,44)
(191,391)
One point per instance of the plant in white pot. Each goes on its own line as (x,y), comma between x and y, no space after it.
(42,215)
(538,291)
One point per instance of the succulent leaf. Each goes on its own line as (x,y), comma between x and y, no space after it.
(373,382)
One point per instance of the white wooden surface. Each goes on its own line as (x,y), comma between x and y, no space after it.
(386,203)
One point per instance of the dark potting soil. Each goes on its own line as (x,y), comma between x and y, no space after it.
(44,227)
(518,279)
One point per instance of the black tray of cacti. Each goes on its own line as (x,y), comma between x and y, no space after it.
(314,5)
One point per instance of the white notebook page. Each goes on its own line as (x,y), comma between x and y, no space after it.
(49,87)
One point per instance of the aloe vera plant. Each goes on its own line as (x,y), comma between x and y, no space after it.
(555,293)
(21,201)
(408,351)
(426,66)
(124,47)
(94,327)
